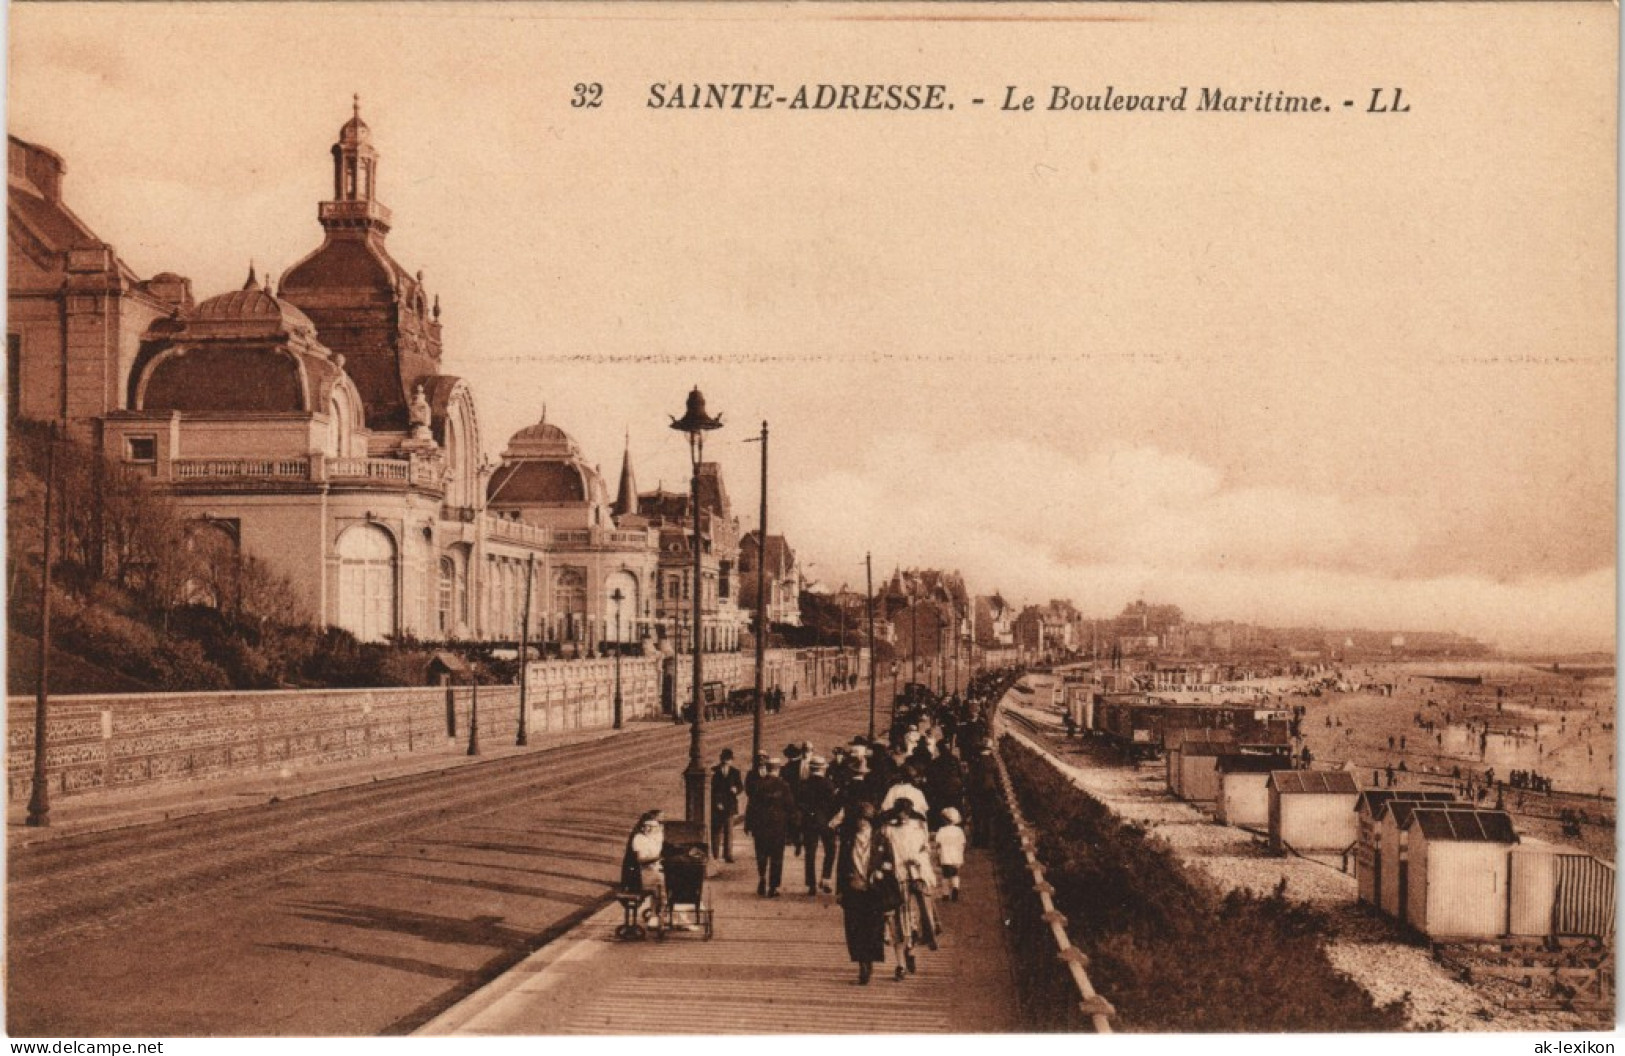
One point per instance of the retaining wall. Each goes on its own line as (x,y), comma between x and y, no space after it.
(116,741)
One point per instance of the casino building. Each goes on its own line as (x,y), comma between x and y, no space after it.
(310,421)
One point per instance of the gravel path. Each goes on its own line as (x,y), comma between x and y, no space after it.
(1365,946)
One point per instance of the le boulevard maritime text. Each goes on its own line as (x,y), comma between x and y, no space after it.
(684,95)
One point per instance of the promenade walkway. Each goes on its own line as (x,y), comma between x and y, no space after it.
(775,966)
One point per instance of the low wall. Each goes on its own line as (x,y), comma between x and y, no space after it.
(110,742)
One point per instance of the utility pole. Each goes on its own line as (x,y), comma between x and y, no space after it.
(39,802)
(913,639)
(524,659)
(761,608)
(869,591)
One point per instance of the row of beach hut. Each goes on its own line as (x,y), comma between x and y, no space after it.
(1435,864)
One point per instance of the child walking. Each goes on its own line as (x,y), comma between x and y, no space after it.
(950,840)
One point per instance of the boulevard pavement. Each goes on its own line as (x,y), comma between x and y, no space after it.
(775,966)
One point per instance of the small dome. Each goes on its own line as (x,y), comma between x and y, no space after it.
(543,440)
(252,305)
(355,130)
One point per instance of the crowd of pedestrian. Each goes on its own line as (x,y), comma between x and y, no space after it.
(881,823)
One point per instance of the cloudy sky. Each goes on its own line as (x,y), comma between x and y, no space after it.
(1345,369)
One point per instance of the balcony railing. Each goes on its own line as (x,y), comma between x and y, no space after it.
(417,472)
(395,469)
(516,531)
(256,468)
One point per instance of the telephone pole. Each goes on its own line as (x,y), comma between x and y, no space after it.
(761,608)
(869,590)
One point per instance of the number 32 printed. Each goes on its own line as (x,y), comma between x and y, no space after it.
(588,96)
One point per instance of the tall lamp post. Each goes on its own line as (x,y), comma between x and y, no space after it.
(696,423)
(523,738)
(39,800)
(617,597)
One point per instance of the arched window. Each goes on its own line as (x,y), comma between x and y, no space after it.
(627,584)
(367,582)
(447,587)
(570,602)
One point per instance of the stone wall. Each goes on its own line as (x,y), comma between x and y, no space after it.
(112,742)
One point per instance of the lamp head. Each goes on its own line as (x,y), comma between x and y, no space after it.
(695,420)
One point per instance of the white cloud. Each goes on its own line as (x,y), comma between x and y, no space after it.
(1111,525)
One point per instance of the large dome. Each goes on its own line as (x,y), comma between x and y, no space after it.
(543,464)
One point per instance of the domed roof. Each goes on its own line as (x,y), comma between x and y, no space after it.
(544,465)
(543,440)
(355,130)
(251,306)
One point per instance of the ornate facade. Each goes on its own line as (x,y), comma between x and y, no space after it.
(309,421)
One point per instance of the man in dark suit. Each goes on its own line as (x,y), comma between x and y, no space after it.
(817,801)
(795,764)
(768,816)
(726,784)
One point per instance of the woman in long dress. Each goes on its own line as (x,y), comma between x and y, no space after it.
(857,868)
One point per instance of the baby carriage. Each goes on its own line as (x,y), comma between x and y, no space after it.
(687,905)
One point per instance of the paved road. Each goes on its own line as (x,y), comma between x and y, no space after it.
(361,911)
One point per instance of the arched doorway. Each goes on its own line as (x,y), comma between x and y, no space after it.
(367,582)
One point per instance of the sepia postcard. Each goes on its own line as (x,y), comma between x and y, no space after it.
(538,519)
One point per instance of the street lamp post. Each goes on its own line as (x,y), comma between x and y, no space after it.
(696,423)
(474,710)
(523,738)
(39,800)
(617,597)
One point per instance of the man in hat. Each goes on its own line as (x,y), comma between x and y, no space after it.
(768,817)
(792,772)
(817,801)
(840,770)
(726,784)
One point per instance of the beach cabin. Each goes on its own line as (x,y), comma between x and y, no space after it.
(1559,892)
(1195,766)
(1312,810)
(1080,704)
(1391,866)
(1458,871)
(1368,856)
(1244,797)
